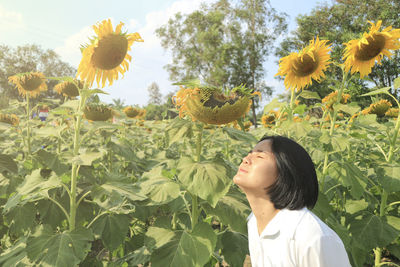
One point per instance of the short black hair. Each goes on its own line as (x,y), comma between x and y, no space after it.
(297,185)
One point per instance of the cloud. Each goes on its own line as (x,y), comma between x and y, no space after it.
(70,50)
(156,19)
(10,20)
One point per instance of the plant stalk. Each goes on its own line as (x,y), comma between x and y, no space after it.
(28,127)
(75,166)
(195,207)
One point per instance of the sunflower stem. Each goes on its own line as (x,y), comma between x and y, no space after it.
(292,102)
(75,166)
(195,208)
(28,127)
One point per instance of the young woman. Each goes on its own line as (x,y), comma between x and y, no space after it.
(280,183)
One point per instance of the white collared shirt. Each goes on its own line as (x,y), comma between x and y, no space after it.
(295,238)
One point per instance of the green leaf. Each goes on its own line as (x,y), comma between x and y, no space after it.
(396,83)
(309,95)
(186,249)
(87,158)
(159,189)
(394,222)
(136,258)
(178,129)
(157,237)
(273,105)
(7,163)
(235,247)
(354,206)
(340,143)
(64,249)
(89,92)
(390,179)
(384,90)
(351,176)
(371,231)
(231,212)
(15,255)
(33,188)
(21,218)
(51,161)
(350,109)
(71,104)
(207,179)
(235,134)
(111,229)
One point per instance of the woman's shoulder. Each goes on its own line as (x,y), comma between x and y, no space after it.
(311,227)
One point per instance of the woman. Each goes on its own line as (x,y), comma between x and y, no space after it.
(280,183)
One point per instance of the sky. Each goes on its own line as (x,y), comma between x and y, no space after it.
(64,26)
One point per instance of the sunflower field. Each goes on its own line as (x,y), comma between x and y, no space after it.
(84,189)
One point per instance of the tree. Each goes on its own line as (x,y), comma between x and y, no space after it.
(221,44)
(154,94)
(340,22)
(118,103)
(30,58)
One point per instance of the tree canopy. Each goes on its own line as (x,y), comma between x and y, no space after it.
(30,58)
(340,22)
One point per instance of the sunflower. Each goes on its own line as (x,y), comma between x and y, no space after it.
(331,99)
(211,105)
(97,112)
(379,108)
(392,112)
(107,55)
(360,54)
(9,119)
(31,83)
(268,120)
(69,88)
(134,113)
(310,63)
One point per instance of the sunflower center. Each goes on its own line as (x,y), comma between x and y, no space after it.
(306,66)
(218,100)
(375,45)
(32,83)
(110,52)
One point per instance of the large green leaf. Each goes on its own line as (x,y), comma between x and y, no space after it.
(383,90)
(111,229)
(235,247)
(15,256)
(351,176)
(7,163)
(21,218)
(372,231)
(86,158)
(209,180)
(390,178)
(239,135)
(178,129)
(33,188)
(158,188)
(64,249)
(52,161)
(350,109)
(231,212)
(186,249)
(309,95)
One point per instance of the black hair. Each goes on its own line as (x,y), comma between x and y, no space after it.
(297,185)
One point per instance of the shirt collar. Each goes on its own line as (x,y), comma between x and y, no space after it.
(285,220)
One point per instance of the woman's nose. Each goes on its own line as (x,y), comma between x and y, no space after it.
(246,159)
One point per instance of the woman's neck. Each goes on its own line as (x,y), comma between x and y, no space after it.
(263,209)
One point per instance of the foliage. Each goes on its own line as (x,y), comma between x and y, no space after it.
(154,94)
(30,58)
(340,22)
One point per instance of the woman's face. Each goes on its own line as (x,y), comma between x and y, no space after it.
(258,169)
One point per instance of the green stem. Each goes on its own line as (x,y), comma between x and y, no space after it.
(378,255)
(394,139)
(75,166)
(195,207)
(291,103)
(28,114)
(383,206)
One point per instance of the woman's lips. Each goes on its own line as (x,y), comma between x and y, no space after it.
(242,170)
